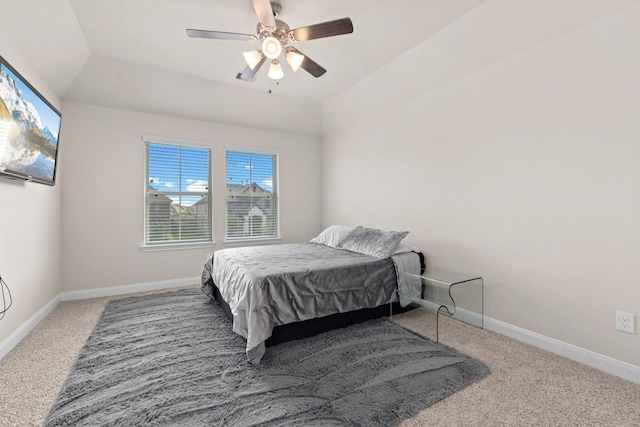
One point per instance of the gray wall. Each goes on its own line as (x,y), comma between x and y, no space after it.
(30,229)
(103,193)
(524,169)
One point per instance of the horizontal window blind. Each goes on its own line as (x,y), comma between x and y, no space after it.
(178,194)
(252,197)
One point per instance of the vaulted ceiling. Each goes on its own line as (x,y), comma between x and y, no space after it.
(60,35)
(135,54)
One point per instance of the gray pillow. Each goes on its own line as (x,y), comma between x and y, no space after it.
(373,242)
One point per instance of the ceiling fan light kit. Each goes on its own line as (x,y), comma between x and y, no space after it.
(271,47)
(275,70)
(275,35)
(253,58)
(294,59)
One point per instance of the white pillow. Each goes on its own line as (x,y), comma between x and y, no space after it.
(332,235)
(372,241)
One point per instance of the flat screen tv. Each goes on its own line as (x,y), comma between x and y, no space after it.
(29,130)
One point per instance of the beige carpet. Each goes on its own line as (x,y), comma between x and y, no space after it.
(527,386)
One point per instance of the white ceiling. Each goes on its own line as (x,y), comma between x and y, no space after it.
(105,51)
(152,33)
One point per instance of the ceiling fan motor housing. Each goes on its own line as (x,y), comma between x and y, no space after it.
(281,32)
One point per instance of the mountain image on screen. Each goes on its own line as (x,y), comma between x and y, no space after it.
(26,146)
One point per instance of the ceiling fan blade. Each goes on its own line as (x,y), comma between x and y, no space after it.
(221,35)
(309,65)
(324,29)
(249,75)
(265,12)
(312,67)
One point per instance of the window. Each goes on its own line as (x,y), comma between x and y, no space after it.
(178,194)
(252,195)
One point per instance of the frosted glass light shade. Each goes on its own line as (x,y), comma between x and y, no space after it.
(271,47)
(275,70)
(294,59)
(253,58)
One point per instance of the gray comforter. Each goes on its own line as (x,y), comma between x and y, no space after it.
(266,286)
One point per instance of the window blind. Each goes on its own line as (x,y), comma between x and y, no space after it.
(251,195)
(178,194)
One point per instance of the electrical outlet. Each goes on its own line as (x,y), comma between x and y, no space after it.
(626,322)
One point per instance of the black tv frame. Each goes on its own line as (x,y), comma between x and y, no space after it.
(12,174)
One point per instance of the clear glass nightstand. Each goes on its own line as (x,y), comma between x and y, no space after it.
(458,295)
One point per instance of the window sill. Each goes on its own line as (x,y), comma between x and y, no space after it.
(252,241)
(177,246)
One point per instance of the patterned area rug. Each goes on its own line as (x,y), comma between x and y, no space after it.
(172,359)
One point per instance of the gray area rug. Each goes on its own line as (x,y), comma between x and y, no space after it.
(172,359)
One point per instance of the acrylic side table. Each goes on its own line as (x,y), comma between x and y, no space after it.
(458,295)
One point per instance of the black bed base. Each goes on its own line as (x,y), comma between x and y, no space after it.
(307,328)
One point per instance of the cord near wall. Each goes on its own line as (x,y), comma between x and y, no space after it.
(5,295)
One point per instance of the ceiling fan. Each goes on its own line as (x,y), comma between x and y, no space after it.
(275,36)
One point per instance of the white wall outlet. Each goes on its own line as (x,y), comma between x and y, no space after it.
(626,322)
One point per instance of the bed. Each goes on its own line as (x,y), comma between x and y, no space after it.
(344,275)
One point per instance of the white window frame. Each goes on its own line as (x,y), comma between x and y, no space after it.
(239,241)
(180,244)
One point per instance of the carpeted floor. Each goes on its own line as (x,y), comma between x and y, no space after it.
(172,359)
(526,386)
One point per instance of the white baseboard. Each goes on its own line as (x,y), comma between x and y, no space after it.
(18,335)
(460,313)
(586,357)
(128,289)
(10,342)
(604,363)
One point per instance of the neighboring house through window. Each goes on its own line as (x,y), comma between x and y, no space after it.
(252,194)
(178,193)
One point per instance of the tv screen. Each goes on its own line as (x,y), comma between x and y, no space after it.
(29,129)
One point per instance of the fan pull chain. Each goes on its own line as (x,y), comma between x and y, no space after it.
(277,83)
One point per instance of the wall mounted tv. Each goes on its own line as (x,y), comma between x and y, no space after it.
(29,130)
